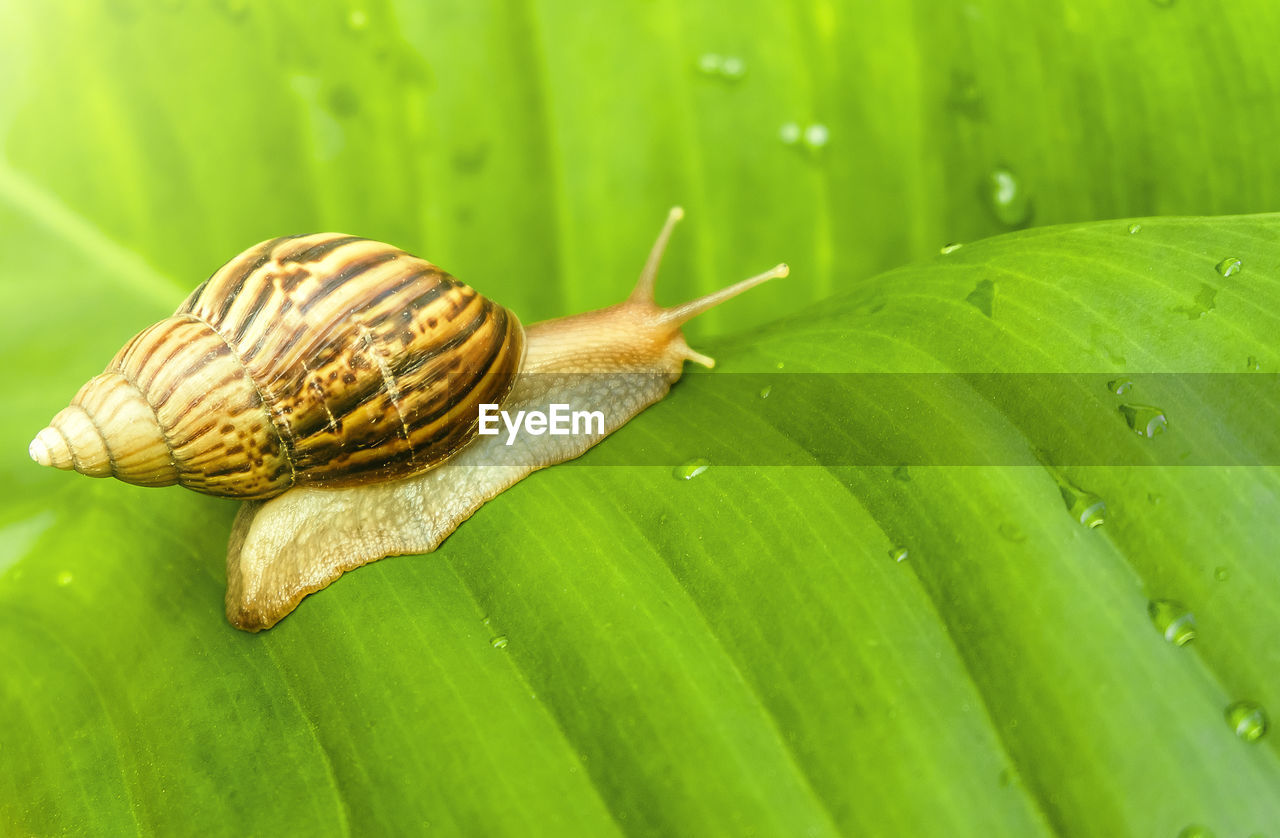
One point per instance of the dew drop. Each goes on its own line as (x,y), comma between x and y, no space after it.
(1134,228)
(358,20)
(779,365)
(1228,266)
(691,469)
(816,135)
(1119,386)
(1007,198)
(1144,420)
(899,554)
(1011,532)
(1085,507)
(902,474)
(1248,719)
(65,578)
(765,391)
(951,247)
(343,101)
(983,296)
(1173,620)
(733,68)
(1222,573)
(499,642)
(1251,363)
(789,133)
(1154,498)
(965,97)
(710,64)
(1205,302)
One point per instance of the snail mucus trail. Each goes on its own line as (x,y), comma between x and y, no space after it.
(333,384)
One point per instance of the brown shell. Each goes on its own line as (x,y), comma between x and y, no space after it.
(308,360)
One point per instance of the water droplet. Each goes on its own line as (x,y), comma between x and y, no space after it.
(816,135)
(1144,420)
(765,391)
(499,642)
(470,158)
(343,101)
(1134,228)
(65,578)
(357,20)
(789,133)
(1007,198)
(952,247)
(727,67)
(1173,620)
(1154,498)
(1248,719)
(899,554)
(1222,573)
(709,63)
(965,96)
(1228,266)
(779,365)
(733,68)
(1011,532)
(1085,507)
(1119,386)
(691,469)
(983,296)
(1251,364)
(1205,302)
(902,473)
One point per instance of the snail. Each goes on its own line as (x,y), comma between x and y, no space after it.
(335,385)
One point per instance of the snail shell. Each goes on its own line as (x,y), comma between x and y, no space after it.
(334,365)
(318,360)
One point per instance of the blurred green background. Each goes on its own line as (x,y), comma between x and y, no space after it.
(604,649)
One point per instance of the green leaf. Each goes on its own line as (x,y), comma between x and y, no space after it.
(605,648)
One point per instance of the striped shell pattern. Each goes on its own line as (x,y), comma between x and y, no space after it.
(314,360)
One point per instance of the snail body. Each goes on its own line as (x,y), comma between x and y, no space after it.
(334,384)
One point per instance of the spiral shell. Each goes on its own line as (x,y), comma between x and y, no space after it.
(308,360)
